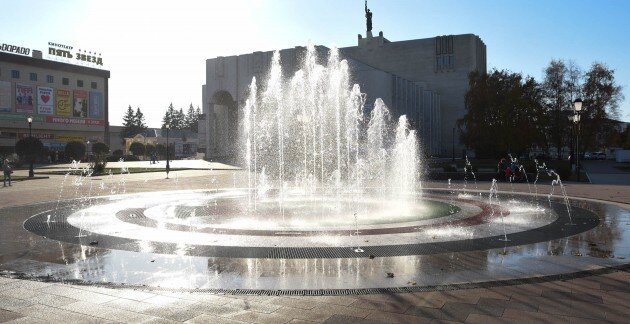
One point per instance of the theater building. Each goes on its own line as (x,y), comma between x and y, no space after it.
(67,102)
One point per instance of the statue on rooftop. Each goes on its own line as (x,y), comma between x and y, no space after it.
(368,17)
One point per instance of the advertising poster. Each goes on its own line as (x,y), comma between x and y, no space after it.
(45,101)
(5,96)
(62,103)
(80,104)
(96,105)
(24,102)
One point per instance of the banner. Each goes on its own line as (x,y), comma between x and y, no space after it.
(45,101)
(24,98)
(5,96)
(62,103)
(96,105)
(20,118)
(80,106)
(74,121)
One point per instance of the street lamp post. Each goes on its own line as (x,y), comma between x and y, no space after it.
(168,166)
(577,106)
(31,173)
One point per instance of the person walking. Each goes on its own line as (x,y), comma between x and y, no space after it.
(6,168)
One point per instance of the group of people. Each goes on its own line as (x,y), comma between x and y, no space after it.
(7,170)
(509,170)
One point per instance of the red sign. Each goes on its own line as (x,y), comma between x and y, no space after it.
(74,121)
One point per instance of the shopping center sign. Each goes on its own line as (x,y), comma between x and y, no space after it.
(74,121)
(15,49)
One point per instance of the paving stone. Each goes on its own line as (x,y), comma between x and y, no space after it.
(522,305)
(420,299)
(7,315)
(435,313)
(342,310)
(10,303)
(344,319)
(533,317)
(299,321)
(464,308)
(129,305)
(20,293)
(217,310)
(572,296)
(26,320)
(337,300)
(397,318)
(254,306)
(256,317)
(204,318)
(168,301)
(87,308)
(382,306)
(293,302)
(590,311)
(172,313)
(304,314)
(78,294)
(483,319)
(52,314)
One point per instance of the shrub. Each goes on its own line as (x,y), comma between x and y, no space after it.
(75,150)
(137,148)
(29,149)
(99,148)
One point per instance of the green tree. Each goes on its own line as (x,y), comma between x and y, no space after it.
(169,117)
(161,150)
(556,99)
(75,150)
(133,123)
(192,118)
(29,149)
(504,114)
(601,100)
(137,148)
(150,148)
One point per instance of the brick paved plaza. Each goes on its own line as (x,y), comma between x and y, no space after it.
(601,297)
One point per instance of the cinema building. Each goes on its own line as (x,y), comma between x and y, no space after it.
(67,102)
(425,79)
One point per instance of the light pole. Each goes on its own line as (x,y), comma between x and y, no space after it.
(577,106)
(168,166)
(31,173)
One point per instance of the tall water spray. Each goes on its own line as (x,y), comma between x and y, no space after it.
(311,134)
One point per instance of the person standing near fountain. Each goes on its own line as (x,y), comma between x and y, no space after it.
(6,168)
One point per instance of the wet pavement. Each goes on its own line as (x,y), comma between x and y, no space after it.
(536,281)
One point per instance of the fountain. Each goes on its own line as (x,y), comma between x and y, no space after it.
(329,201)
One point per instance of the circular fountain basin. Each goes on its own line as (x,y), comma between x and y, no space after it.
(219,241)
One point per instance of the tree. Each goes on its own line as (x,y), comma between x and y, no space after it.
(160,149)
(504,114)
(191,119)
(137,148)
(75,150)
(29,149)
(168,116)
(133,123)
(557,99)
(601,102)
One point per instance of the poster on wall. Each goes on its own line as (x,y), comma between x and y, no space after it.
(5,96)
(62,102)
(80,104)
(45,101)
(24,98)
(96,105)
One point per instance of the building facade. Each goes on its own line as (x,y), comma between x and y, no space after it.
(426,79)
(67,102)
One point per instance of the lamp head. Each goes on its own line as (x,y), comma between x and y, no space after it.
(577,104)
(30,119)
(167,126)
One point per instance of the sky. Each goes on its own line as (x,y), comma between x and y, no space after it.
(156,50)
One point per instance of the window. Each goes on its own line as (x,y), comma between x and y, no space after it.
(65,81)
(93,85)
(15,74)
(50,79)
(33,77)
(80,83)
